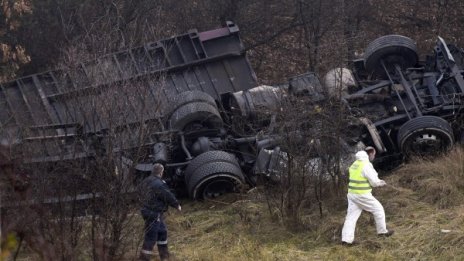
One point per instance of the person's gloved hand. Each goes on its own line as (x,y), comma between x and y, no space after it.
(382,183)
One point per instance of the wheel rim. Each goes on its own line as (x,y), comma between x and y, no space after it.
(218,187)
(427,143)
(194,126)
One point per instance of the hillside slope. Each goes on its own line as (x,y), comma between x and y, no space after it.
(423,206)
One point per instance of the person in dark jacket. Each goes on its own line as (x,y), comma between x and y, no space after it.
(155,200)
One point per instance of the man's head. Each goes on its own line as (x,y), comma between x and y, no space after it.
(157,170)
(371,152)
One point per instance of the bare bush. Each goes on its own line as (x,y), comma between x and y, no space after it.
(80,198)
(311,164)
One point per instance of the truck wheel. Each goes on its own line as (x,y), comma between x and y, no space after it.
(425,136)
(391,49)
(192,110)
(195,115)
(214,177)
(189,97)
(206,158)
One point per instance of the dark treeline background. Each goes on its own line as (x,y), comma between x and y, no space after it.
(283,37)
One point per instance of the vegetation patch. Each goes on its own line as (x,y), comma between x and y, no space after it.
(437,181)
(425,229)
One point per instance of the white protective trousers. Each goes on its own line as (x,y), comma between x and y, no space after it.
(356,204)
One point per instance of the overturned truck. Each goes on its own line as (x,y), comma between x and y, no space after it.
(410,107)
(182,102)
(167,101)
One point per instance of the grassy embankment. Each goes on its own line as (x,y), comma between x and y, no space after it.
(423,205)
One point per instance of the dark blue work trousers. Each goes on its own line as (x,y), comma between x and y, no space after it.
(155,230)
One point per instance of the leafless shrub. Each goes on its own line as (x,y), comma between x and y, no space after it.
(80,197)
(311,138)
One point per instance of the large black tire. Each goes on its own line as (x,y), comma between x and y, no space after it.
(214,174)
(425,136)
(206,158)
(201,113)
(193,107)
(189,97)
(392,50)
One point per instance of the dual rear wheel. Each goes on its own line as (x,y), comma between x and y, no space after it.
(212,173)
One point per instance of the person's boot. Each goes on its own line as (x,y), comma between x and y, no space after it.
(388,234)
(163,252)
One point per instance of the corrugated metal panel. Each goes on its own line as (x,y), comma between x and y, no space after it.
(135,83)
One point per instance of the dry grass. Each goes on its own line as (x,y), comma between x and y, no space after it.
(422,204)
(439,182)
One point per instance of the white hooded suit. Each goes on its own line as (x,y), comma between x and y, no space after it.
(359,202)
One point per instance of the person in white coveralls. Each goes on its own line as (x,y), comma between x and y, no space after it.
(362,178)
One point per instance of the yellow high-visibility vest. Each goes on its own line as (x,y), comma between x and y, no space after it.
(358,184)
